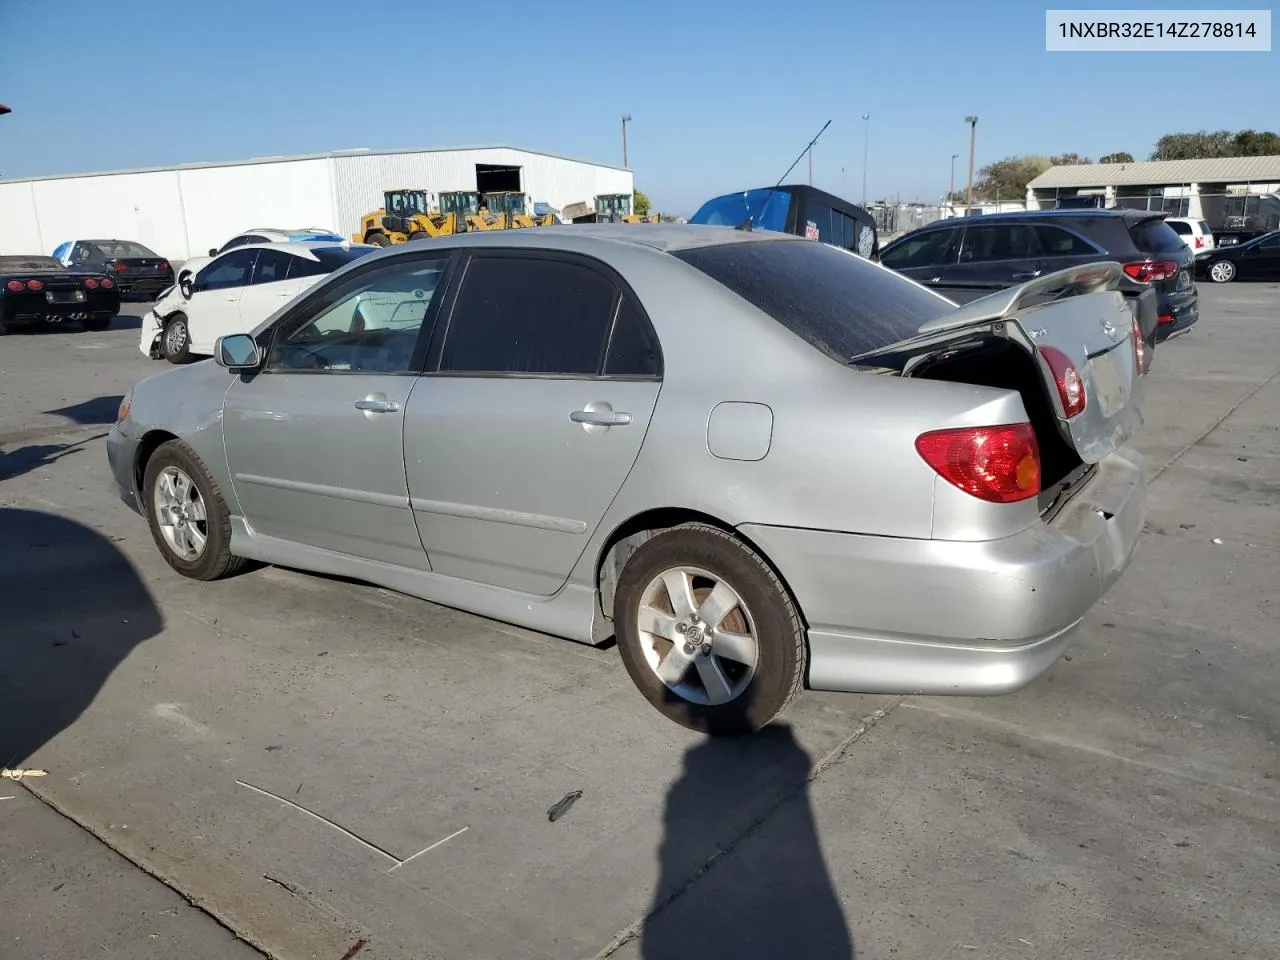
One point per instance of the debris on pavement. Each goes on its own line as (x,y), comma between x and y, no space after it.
(8,774)
(561,806)
(1216,540)
(355,948)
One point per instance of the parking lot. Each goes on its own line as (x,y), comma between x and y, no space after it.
(316,763)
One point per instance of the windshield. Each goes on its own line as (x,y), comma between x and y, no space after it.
(767,208)
(334,257)
(834,300)
(121,248)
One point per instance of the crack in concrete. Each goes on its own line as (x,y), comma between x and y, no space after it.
(835,755)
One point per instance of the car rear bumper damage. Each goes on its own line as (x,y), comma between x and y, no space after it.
(889,615)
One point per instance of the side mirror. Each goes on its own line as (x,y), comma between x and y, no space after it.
(187,286)
(239,351)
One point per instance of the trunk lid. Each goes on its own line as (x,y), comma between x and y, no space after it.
(141,266)
(1077,315)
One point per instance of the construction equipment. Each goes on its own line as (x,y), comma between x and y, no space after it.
(608,208)
(405,215)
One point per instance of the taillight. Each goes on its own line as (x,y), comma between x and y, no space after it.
(1199,242)
(997,464)
(164,264)
(1149,271)
(15,285)
(1141,353)
(90,283)
(1165,318)
(106,283)
(121,267)
(1067,377)
(35,284)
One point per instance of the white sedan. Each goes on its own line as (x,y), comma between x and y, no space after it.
(236,291)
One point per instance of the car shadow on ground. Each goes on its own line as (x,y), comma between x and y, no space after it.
(771,895)
(14,463)
(74,608)
(99,411)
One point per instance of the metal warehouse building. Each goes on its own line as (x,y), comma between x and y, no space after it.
(1231,193)
(184,210)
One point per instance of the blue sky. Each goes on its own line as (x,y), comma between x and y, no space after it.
(723,94)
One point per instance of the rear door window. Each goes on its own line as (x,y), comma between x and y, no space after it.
(1006,241)
(1205,228)
(835,301)
(1056,242)
(529,315)
(1155,236)
(272,266)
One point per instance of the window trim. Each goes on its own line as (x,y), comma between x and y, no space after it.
(622,291)
(315,293)
(253,277)
(924,232)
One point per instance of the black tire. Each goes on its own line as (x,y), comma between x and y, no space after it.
(419,235)
(1222,271)
(175,339)
(779,633)
(96,324)
(378,240)
(216,561)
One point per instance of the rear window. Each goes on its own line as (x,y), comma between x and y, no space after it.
(121,248)
(1155,236)
(1205,228)
(1180,228)
(331,258)
(835,301)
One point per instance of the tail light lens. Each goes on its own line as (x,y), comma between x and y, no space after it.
(1067,377)
(997,464)
(1165,318)
(90,284)
(35,284)
(1141,352)
(15,285)
(121,267)
(106,283)
(1149,271)
(1199,243)
(164,264)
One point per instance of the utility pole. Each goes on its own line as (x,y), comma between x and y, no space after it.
(626,118)
(952,191)
(810,152)
(866,140)
(972,121)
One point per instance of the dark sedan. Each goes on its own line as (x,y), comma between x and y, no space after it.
(969,257)
(135,268)
(35,290)
(1256,259)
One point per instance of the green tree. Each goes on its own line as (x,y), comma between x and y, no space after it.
(1121,157)
(1006,179)
(1255,143)
(1067,160)
(1194,146)
(641,203)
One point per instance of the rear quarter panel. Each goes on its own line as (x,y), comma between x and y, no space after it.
(841,451)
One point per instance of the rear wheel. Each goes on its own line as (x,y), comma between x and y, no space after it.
(175,340)
(1222,271)
(707,632)
(378,240)
(187,515)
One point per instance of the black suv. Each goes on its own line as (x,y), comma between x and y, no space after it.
(968,257)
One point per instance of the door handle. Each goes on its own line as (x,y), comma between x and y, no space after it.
(1031,275)
(601,418)
(370,405)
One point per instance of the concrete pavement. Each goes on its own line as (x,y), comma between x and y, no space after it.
(317,762)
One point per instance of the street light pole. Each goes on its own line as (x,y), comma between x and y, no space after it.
(972,121)
(866,140)
(952,191)
(626,118)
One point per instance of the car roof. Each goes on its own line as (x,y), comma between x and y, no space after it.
(1099,213)
(663,237)
(293,246)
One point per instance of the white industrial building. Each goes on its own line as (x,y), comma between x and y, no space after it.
(184,210)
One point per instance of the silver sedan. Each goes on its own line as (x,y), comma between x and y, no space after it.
(757,461)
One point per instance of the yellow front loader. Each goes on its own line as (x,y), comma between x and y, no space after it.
(405,215)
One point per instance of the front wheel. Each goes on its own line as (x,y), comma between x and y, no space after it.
(378,240)
(1222,271)
(175,340)
(187,515)
(708,632)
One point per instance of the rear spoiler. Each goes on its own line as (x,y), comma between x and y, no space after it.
(1071,282)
